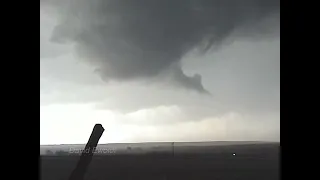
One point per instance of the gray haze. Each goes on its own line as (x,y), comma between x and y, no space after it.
(141,69)
(128,40)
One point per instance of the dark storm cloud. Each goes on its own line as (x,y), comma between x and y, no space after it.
(142,39)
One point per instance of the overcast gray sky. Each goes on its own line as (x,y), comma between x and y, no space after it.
(159,70)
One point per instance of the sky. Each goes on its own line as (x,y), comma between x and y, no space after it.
(156,70)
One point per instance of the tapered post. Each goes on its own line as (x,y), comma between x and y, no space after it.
(79,172)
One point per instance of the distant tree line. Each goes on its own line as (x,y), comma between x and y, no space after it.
(57,153)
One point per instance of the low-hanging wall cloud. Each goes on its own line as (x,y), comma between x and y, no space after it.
(128,40)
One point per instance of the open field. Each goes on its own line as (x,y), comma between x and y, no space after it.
(225,161)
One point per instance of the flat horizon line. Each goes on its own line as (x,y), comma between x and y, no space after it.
(164,142)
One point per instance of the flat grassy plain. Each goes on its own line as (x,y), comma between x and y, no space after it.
(247,161)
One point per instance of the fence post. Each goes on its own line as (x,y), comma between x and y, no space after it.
(79,172)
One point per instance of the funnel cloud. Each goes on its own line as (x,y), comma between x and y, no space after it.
(128,40)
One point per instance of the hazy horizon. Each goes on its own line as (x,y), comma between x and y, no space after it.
(149,147)
(165,142)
